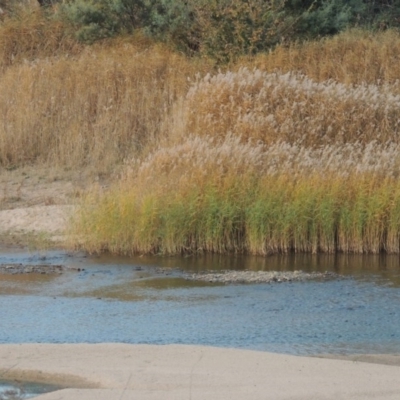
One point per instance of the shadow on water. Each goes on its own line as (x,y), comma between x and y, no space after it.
(147,300)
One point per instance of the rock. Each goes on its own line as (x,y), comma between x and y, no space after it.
(15,269)
(236,277)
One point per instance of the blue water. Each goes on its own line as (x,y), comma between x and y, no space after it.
(113,302)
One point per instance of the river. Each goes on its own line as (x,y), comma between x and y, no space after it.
(147,300)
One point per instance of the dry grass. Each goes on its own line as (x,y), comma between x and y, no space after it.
(227,196)
(352,57)
(30,35)
(300,152)
(271,107)
(261,162)
(95,109)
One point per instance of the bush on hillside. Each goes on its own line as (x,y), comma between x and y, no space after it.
(225,29)
(171,20)
(92,19)
(327,17)
(222,29)
(230,28)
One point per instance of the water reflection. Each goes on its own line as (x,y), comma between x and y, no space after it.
(146,300)
(379,266)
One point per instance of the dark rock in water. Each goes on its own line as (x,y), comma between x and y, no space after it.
(14,269)
(260,276)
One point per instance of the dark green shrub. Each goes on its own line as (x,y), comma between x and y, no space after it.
(92,19)
(230,28)
(227,29)
(167,20)
(175,21)
(327,17)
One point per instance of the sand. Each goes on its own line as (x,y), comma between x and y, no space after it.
(50,219)
(149,372)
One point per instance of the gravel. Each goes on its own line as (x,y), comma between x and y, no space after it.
(16,269)
(229,277)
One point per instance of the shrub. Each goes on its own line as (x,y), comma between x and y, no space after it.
(167,20)
(93,20)
(231,28)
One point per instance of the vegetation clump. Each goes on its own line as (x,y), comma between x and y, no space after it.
(267,131)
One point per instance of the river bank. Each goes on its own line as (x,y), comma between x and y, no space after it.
(116,371)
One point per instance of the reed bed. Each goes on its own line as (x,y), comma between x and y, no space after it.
(95,109)
(30,34)
(291,107)
(260,163)
(352,57)
(298,153)
(229,196)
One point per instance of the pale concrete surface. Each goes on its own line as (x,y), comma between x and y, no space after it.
(141,372)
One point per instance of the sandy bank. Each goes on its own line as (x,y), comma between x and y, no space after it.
(49,219)
(120,371)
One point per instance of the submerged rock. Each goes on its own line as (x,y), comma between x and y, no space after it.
(13,269)
(260,276)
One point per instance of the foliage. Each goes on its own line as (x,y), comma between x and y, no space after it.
(175,21)
(363,56)
(228,29)
(92,19)
(327,17)
(259,163)
(171,20)
(294,149)
(231,28)
(97,108)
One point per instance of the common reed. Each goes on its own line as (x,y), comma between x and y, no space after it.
(93,109)
(352,57)
(32,33)
(271,107)
(300,152)
(229,196)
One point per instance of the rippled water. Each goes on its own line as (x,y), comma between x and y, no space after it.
(146,300)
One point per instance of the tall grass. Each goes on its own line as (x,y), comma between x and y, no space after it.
(260,163)
(230,196)
(31,33)
(94,109)
(352,57)
(270,107)
(294,150)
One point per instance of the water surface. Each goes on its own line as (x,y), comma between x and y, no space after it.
(146,300)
